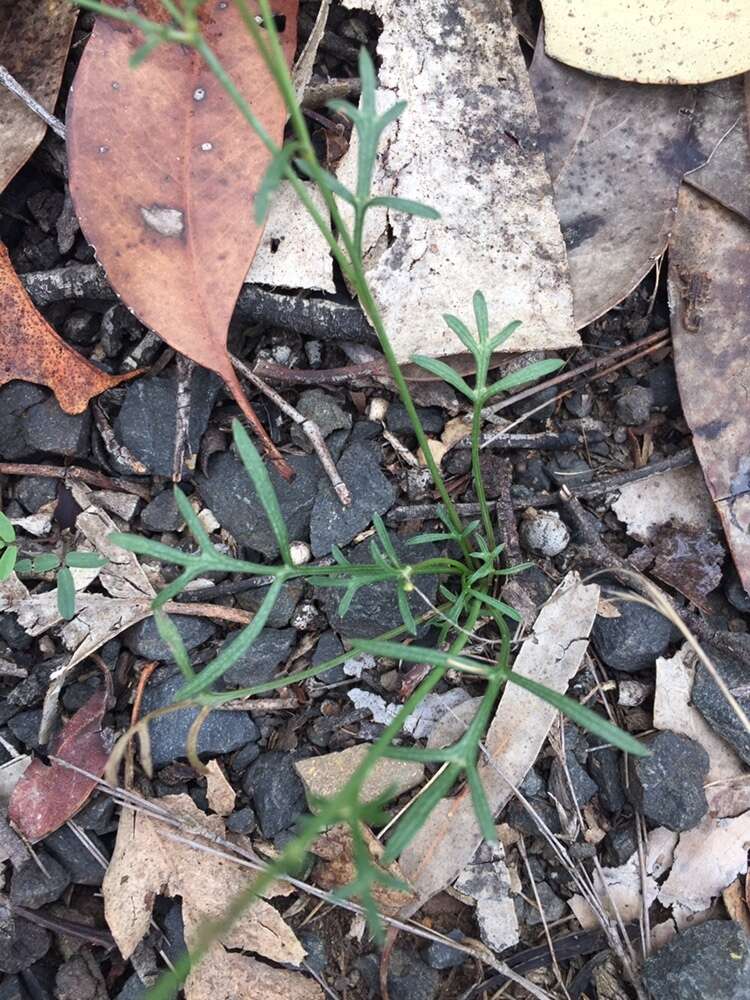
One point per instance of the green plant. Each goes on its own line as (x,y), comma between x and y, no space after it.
(468,580)
(46,563)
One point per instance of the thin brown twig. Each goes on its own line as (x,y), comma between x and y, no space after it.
(185,368)
(120,452)
(10,82)
(89,476)
(308,427)
(143,679)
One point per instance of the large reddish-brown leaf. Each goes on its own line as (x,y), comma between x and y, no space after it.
(49,794)
(34,40)
(709,292)
(30,349)
(164,170)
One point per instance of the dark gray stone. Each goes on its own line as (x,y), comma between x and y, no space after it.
(710,960)
(620,845)
(162,513)
(49,428)
(228,491)
(735,593)
(372,492)
(144,640)
(442,956)
(35,491)
(284,608)
(222,732)
(173,927)
(409,978)
(11,989)
(533,475)
(634,405)
(25,727)
(554,907)
(604,768)
(133,989)
(98,815)
(260,662)
(662,382)
(329,646)
(322,409)
(276,790)
(668,785)
(21,944)
(365,430)
(242,820)
(712,705)
(16,398)
(374,608)
(31,887)
(315,946)
(146,423)
(579,403)
(75,857)
(541,415)
(397,420)
(633,641)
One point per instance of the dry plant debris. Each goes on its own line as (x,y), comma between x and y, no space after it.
(709,285)
(551,655)
(651,41)
(147,861)
(48,795)
(34,41)
(219,792)
(32,351)
(466,146)
(607,143)
(163,171)
(325,775)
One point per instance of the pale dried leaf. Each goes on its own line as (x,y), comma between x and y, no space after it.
(453,724)
(292,252)
(673,711)
(679,495)
(551,655)
(708,858)
(734,900)
(227,975)
(466,146)
(220,794)
(10,774)
(303,68)
(325,776)
(708,279)
(651,41)
(489,885)
(616,153)
(38,524)
(146,862)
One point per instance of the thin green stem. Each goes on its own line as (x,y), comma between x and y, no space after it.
(476,434)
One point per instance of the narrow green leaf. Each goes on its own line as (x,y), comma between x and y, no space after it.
(430,536)
(66,594)
(406,613)
(7,531)
(481,806)
(8,561)
(443,371)
(463,333)
(272,178)
(391,114)
(501,606)
(192,520)
(236,648)
(23,566)
(177,585)
(84,560)
(385,539)
(169,634)
(140,55)
(346,600)
(416,815)
(45,563)
(405,205)
(528,374)
(258,473)
(481,316)
(368,81)
(345,108)
(505,333)
(326,179)
(154,550)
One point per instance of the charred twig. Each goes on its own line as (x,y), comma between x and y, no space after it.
(363,375)
(309,428)
(89,476)
(319,93)
(185,368)
(119,452)
(9,81)
(72,928)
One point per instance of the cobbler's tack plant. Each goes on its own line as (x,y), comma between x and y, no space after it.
(469,576)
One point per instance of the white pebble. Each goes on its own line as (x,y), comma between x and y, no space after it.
(300,552)
(543,532)
(378,408)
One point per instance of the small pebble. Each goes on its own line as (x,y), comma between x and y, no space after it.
(544,532)
(634,405)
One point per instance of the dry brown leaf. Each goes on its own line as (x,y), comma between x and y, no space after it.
(709,288)
(721,129)
(707,859)
(616,153)
(226,975)
(651,41)
(465,145)
(31,350)
(163,172)
(679,495)
(551,655)
(146,863)
(220,794)
(337,867)
(734,900)
(34,41)
(48,795)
